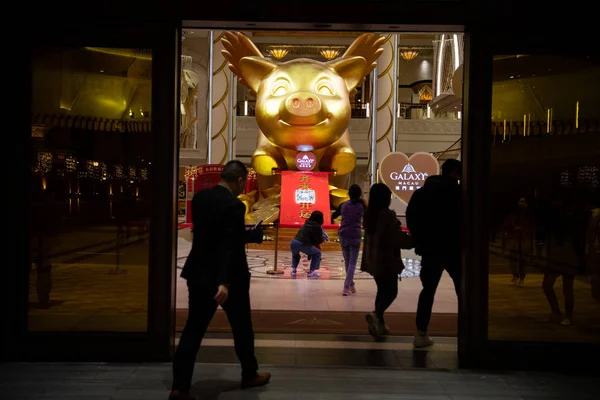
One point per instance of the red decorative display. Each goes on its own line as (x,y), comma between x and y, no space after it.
(252,182)
(301,194)
(207,176)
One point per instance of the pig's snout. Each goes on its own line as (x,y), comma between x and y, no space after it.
(302,108)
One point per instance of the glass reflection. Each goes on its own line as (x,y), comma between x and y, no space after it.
(544,264)
(91,133)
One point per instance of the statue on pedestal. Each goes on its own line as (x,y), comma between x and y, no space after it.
(302,106)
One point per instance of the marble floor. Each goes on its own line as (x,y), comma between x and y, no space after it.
(280,292)
(326,295)
(77,381)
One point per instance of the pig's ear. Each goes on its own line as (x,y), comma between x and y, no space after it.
(351,69)
(254,69)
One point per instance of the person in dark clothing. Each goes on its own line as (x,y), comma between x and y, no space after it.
(433,219)
(309,236)
(381,256)
(593,251)
(217,274)
(350,233)
(517,239)
(569,222)
(46,221)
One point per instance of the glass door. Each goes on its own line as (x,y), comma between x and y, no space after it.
(544,200)
(101,190)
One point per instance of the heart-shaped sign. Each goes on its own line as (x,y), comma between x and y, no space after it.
(404,175)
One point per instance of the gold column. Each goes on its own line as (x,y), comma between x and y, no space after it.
(219,147)
(385,99)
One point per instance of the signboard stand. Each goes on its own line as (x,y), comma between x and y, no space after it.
(275,270)
(302,192)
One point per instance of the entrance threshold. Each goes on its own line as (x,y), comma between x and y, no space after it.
(334,351)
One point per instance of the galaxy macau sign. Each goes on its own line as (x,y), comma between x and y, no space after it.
(305,161)
(404,175)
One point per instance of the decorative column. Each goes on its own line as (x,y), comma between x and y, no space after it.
(385,99)
(372,107)
(395,96)
(231,128)
(221,137)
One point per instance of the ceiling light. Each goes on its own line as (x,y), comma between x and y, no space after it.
(278,54)
(409,54)
(330,54)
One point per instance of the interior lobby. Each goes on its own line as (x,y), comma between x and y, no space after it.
(281,303)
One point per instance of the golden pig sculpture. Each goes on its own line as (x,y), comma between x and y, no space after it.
(302,104)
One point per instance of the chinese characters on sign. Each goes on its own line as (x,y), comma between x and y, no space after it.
(204,169)
(305,196)
(305,210)
(301,194)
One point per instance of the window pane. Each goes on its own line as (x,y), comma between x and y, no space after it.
(91,165)
(545,174)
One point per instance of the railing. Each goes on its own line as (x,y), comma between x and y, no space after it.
(452,151)
(405,109)
(507,131)
(358,110)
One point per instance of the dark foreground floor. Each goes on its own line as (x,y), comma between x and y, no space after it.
(219,381)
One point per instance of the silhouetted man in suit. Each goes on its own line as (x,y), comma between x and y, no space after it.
(217,273)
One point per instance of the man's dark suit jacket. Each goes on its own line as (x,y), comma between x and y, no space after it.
(218,254)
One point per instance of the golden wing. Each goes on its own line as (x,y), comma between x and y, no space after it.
(237,46)
(367,46)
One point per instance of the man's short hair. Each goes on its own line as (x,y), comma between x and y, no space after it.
(451,165)
(234,170)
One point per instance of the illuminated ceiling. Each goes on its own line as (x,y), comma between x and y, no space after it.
(513,67)
(94,82)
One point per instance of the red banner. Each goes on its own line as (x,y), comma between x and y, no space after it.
(207,177)
(301,194)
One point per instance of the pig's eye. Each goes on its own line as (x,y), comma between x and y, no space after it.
(280,88)
(324,89)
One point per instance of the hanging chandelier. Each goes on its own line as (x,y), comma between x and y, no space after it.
(330,54)
(278,53)
(409,54)
(38,131)
(425,94)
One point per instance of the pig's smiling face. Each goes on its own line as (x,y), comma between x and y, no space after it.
(303,105)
